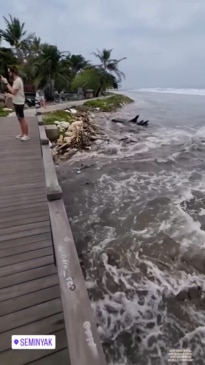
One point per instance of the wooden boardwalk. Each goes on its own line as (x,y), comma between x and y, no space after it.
(30,301)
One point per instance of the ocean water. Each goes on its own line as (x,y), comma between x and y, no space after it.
(174,91)
(136,205)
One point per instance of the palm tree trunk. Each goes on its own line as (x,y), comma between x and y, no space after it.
(52,87)
(99,90)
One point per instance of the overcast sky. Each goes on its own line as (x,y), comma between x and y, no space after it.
(163,40)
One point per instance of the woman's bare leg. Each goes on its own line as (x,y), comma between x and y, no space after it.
(23,126)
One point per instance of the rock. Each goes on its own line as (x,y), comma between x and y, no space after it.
(60,139)
(7,109)
(67,140)
(68,133)
(64,125)
(52,132)
(73,111)
(77,123)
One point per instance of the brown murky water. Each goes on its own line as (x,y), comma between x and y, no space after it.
(137,210)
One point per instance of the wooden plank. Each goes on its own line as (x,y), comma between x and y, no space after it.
(29,315)
(49,326)
(45,228)
(26,265)
(30,214)
(22,277)
(60,357)
(20,198)
(24,181)
(22,166)
(15,222)
(24,234)
(11,198)
(11,260)
(22,357)
(78,315)
(23,227)
(34,170)
(28,287)
(11,156)
(35,174)
(23,208)
(43,137)
(24,248)
(25,240)
(54,191)
(26,187)
(29,300)
(22,201)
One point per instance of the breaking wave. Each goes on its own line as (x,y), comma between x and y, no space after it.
(136,207)
(199,92)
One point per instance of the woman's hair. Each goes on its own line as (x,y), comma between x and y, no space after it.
(14,70)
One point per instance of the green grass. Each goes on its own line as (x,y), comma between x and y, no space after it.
(110,104)
(4,113)
(58,115)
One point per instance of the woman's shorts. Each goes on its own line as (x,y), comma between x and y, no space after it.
(19,109)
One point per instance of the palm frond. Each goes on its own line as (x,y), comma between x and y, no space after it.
(15,33)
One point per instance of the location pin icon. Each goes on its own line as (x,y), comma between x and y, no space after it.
(16,342)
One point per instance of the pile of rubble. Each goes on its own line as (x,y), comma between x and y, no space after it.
(76,135)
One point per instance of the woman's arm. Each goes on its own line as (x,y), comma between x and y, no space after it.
(9,87)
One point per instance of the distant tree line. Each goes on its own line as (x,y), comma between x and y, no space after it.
(44,66)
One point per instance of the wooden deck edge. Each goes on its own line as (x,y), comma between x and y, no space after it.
(43,137)
(54,191)
(82,336)
(40,120)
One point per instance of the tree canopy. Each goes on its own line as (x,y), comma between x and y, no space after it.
(45,66)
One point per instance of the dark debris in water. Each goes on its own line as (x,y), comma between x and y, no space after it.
(194,292)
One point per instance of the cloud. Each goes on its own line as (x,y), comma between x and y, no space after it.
(162,40)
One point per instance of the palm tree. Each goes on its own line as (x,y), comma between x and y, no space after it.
(16,35)
(6,58)
(35,47)
(108,66)
(49,67)
(77,63)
